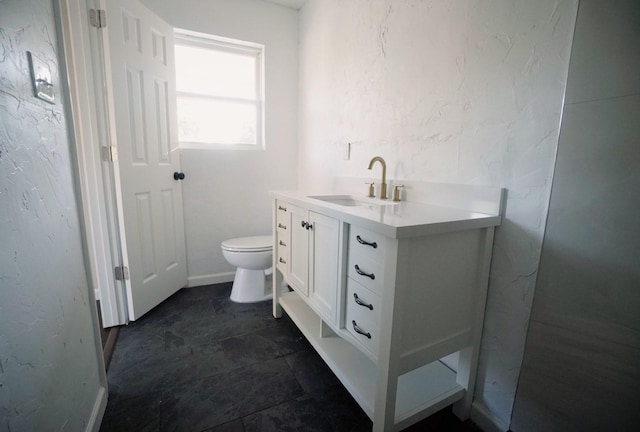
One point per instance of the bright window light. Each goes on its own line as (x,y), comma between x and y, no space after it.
(219,92)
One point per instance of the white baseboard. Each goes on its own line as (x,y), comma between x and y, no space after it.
(485,420)
(99,407)
(210,279)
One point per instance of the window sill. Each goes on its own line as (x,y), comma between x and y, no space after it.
(213,146)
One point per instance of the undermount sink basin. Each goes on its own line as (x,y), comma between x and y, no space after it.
(351,201)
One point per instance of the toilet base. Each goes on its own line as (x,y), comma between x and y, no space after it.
(250,286)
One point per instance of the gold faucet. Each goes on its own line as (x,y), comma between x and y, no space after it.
(383,185)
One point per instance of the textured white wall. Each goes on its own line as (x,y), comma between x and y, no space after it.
(463,92)
(225,192)
(49,365)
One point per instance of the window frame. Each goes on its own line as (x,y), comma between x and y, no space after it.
(235,46)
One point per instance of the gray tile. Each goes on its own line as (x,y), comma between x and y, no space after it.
(278,340)
(141,414)
(231,319)
(311,371)
(601,360)
(591,247)
(166,369)
(443,420)
(605,58)
(152,333)
(234,426)
(329,410)
(224,397)
(200,362)
(163,369)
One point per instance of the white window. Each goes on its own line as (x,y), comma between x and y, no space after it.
(219,85)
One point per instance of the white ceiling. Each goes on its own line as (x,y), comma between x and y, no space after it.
(293,4)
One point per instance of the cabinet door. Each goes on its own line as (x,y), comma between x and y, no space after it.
(323,271)
(298,250)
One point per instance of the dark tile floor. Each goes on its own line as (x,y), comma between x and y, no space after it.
(199,362)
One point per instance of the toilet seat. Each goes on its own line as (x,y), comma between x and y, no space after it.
(249,244)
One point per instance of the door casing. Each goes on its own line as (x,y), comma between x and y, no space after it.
(85,69)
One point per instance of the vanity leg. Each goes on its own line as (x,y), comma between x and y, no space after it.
(467,365)
(277,282)
(385,405)
(468,358)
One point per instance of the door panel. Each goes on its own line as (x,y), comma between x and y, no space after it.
(168,211)
(161,112)
(299,250)
(144,230)
(142,81)
(323,274)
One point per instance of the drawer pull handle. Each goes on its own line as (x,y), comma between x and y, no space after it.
(282,261)
(306,225)
(281,243)
(282,208)
(361,303)
(360,331)
(361,273)
(363,242)
(282,226)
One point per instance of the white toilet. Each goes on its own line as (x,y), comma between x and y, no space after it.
(252,257)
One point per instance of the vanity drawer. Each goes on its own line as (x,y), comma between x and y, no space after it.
(282,255)
(282,214)
(282,243)
(365,244)
(363,318)
(363,300)
(282,230)
(366,257)
(366,272)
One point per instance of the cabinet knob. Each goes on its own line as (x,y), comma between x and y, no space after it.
(362,303)
(359,330)
(364,242)
(361,273)
(178,176)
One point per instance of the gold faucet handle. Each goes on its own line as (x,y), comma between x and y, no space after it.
(396,192)
(371,191)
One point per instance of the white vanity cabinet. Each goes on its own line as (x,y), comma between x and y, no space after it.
(388,291)
(309,249)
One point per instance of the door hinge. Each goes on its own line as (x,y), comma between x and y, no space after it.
(110,153)
(122,273)
(98,18)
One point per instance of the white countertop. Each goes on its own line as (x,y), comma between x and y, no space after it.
(397,220)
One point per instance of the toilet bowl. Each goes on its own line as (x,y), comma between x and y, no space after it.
(252,258)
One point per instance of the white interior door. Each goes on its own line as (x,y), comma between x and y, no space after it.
(139,51)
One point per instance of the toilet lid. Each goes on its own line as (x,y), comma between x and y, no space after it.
(248,244)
